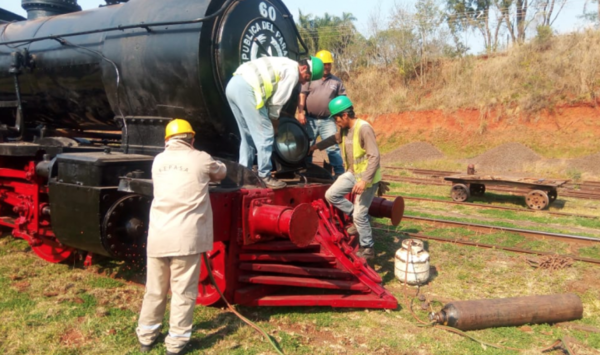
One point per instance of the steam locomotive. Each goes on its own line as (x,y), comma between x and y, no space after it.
(84,100)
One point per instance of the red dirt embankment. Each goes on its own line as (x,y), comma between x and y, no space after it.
(566,132)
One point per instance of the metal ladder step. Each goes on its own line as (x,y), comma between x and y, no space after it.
(304,282)
(330,273)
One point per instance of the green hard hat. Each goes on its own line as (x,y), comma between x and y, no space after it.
(339,104)
(316,68)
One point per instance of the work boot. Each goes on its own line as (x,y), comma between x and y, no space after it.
(352,230)
(366,253)
(146,348)
(273,183)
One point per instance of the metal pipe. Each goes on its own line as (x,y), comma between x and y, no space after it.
(510,312)
(382,208)
(19,120)
(299,224)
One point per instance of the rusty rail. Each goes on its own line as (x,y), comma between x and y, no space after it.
(524,232)
(479,205)
(584,193)
(492,246)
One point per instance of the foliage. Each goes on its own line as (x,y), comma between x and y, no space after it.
(333,33)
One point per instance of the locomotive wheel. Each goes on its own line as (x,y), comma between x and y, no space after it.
(52,251)
(477,189)
(125,229)
(460,193)
(552,195)
(537,200)
(207,294)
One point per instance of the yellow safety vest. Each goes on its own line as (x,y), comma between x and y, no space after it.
(261,75)
(359,155)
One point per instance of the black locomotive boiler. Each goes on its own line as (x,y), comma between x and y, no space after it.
(84,100)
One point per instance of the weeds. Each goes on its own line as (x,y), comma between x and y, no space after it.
(526,79)
(61,309)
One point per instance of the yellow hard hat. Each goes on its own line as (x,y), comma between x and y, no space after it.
(325,56)
(178,126)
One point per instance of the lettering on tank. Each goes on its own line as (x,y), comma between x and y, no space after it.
(262,38)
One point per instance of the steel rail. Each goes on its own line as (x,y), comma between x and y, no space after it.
(479,205)
(583,186)
(586,194)
(493,246)
(524,232)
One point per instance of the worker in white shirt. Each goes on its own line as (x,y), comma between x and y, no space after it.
(181,228)
(256,94)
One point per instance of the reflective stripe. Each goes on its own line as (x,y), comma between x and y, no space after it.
(359,155)
(261,76)
(184,335)
(361,159)
(150,327)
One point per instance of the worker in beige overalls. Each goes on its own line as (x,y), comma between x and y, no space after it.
(181,227)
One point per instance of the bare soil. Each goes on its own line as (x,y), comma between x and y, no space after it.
(413,152)
(506,157)
(497,140)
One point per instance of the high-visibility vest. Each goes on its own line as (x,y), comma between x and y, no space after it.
(262,77)
(359,155)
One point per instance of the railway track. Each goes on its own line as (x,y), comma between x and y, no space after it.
(588,190)
(566,238)
(479,205)
(487,229)
(585,185)
(492,246)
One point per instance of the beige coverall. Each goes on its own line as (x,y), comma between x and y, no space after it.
(181,227)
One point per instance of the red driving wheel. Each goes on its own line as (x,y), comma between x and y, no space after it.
(52,251)
(207,294)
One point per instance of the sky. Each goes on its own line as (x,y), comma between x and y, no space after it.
(363,9)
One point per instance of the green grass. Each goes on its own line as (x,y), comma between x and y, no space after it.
(64,309)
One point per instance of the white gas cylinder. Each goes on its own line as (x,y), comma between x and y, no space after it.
(413,253)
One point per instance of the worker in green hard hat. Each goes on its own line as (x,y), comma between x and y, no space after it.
(363,174)
(256,93)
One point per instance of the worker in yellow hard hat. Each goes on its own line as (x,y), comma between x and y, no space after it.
(314,99)
(181,227)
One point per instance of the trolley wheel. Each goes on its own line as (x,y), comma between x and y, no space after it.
(477,189)
(207,293)
(460,193)
(552,195)
(537,199)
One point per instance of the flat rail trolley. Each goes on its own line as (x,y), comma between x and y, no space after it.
(539,193)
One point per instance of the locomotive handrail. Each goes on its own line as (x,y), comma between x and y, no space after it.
(122,28)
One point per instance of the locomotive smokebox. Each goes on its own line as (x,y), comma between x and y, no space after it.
(44,8)
(121,72)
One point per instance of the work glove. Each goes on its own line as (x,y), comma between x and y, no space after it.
(384,187)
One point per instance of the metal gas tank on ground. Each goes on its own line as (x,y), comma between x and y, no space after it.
(412,262)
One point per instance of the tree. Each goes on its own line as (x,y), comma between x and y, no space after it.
(494,17)
(330,32)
